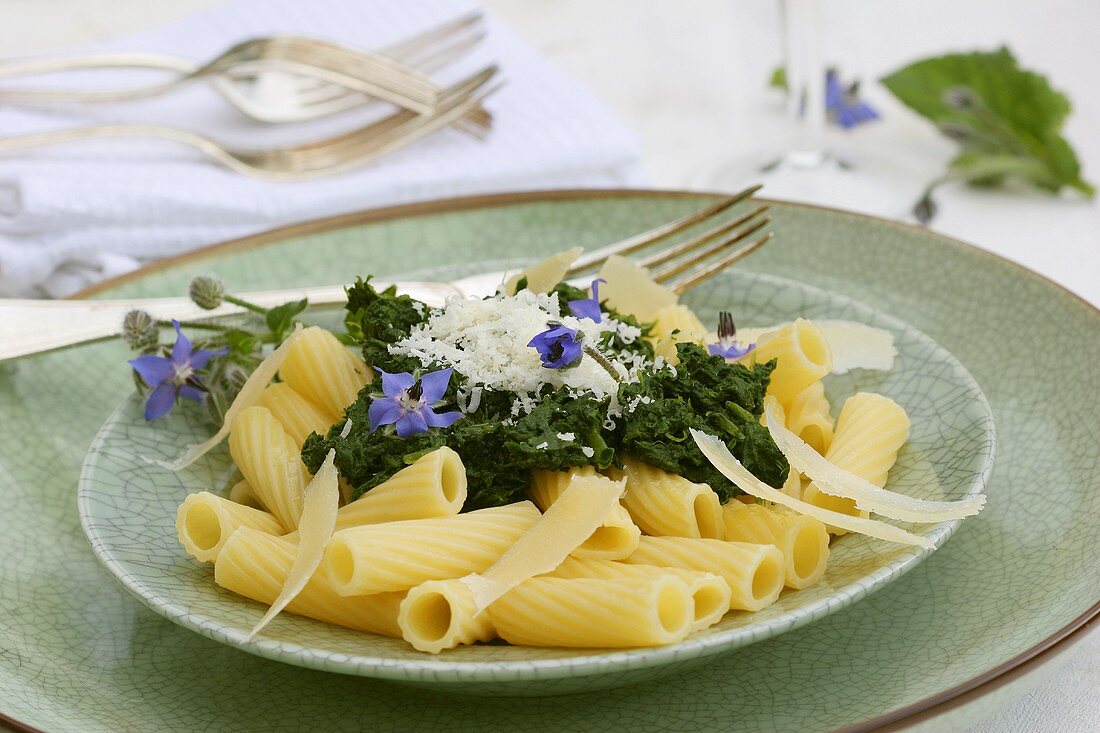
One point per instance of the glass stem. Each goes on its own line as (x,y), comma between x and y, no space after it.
(805,50)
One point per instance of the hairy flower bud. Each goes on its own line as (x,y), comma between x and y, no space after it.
(960,98)
(140,331)
(207,292)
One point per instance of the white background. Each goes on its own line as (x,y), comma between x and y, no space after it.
(690,78)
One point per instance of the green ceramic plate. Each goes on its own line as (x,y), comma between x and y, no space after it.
(77,652)
(128,509)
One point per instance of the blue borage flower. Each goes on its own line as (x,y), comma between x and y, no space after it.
(175,376)
(408,403)
(728,347)
(588,307)
(843,104)
(559,347)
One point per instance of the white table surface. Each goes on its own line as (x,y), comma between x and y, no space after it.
(690,77)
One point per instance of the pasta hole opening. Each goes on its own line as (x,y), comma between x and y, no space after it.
(430,616)
(813,346)
(814,437)
(708,516)
(452,481)
(806,551)
(203,526)
(673,609)
(710,601)
(607,539)
(341,563)
(767,580)
(841,504)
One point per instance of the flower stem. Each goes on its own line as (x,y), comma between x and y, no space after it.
(603,361)
(194,324)
(244,304)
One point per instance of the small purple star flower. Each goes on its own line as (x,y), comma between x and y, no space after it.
(843,104)
(728,347)
(559,347)
(173,377)
(408,403)
(588,307)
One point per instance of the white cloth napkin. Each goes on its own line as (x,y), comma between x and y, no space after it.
(72,215)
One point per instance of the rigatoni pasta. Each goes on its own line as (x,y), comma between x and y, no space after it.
(754,572)
(663,503)
(298,416)
(443,614)
(271,463)
(802,354)
(803,540)
(808,417)
(204,522)
(870,431)
(322,370)
(256,565)
(589,612)
(615,539)
(710,594)
(395,556)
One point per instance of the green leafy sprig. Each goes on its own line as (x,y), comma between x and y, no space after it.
(244,341)
(1007,121)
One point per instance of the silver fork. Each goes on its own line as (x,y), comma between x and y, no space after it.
(344,73)
(33,326)
(298,162)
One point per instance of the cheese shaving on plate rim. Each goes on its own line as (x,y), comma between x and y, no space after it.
(321,502)
(570,520)
(835,481)
(250,392)
(720,457)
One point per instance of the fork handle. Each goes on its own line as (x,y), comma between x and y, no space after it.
(179,65)
(33,326)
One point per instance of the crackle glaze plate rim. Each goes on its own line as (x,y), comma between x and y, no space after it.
(967,687)
(117,555)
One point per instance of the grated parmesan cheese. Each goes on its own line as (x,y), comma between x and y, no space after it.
(486,340)
(567,437)
(587,451)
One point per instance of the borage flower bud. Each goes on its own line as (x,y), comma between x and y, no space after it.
(207,292)
(728,347)
(559,347)
(140,331)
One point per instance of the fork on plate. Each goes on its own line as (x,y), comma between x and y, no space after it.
(33,326)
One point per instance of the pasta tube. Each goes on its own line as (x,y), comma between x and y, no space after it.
(615,539)
(802,540)
(664,504)
(270,462)
(807,416)
(204,522)
(590,612)
(433,486)
(803,358)
(322,370)
(870,430)
(710,594)
(754,572)
(442,614)
(242,493)
(256,565)
(298,416)
(378,558)
(676,324)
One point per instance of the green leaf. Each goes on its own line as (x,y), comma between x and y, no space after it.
(1018,114)
(280,319)
(778,79)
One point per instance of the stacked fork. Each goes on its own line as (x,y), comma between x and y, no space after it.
(285,79)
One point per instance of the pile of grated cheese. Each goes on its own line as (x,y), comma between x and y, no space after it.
(486,340)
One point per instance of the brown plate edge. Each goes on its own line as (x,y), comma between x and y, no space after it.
(898,719)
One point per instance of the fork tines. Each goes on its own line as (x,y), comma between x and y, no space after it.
(699,257)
